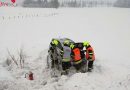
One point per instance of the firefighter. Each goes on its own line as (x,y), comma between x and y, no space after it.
(52,51)
(90,56)
(66,59)
(78,57)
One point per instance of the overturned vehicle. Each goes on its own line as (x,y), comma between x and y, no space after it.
(64,53)
(58,51)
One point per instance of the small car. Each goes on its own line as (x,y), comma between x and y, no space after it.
(55,53)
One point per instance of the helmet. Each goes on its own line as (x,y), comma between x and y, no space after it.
(71,45)
(86,43)
(55,42)
(66,42)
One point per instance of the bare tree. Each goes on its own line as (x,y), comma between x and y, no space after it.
(19,59)
(22,57)
(122,3)
(12,57)
(54,3)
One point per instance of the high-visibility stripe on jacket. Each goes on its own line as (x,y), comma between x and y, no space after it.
(90,54)
(77,62)
(66,60)
(77,54)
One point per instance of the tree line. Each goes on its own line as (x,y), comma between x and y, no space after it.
(75,3)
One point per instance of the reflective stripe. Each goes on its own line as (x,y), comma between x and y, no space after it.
(90,56)
(90,60)
(78,62)
(66,59)
(90,53)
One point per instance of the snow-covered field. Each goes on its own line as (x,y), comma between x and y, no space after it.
(107,29)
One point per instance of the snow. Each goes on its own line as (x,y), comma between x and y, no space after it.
(107,30)
(5,75)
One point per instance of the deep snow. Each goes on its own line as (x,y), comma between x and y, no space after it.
(107,29)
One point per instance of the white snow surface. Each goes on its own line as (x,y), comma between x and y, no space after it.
(107,30)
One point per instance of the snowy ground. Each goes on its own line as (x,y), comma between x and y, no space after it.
(107,29)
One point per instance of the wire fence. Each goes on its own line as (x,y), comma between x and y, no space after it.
(15,17)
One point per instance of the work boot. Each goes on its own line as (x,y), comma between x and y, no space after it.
(65,72)
(89,69)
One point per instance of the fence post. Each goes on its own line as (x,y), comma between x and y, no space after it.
(3,17)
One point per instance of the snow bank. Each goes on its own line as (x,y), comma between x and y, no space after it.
(107,29)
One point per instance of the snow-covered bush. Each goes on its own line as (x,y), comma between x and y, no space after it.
(18,59)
